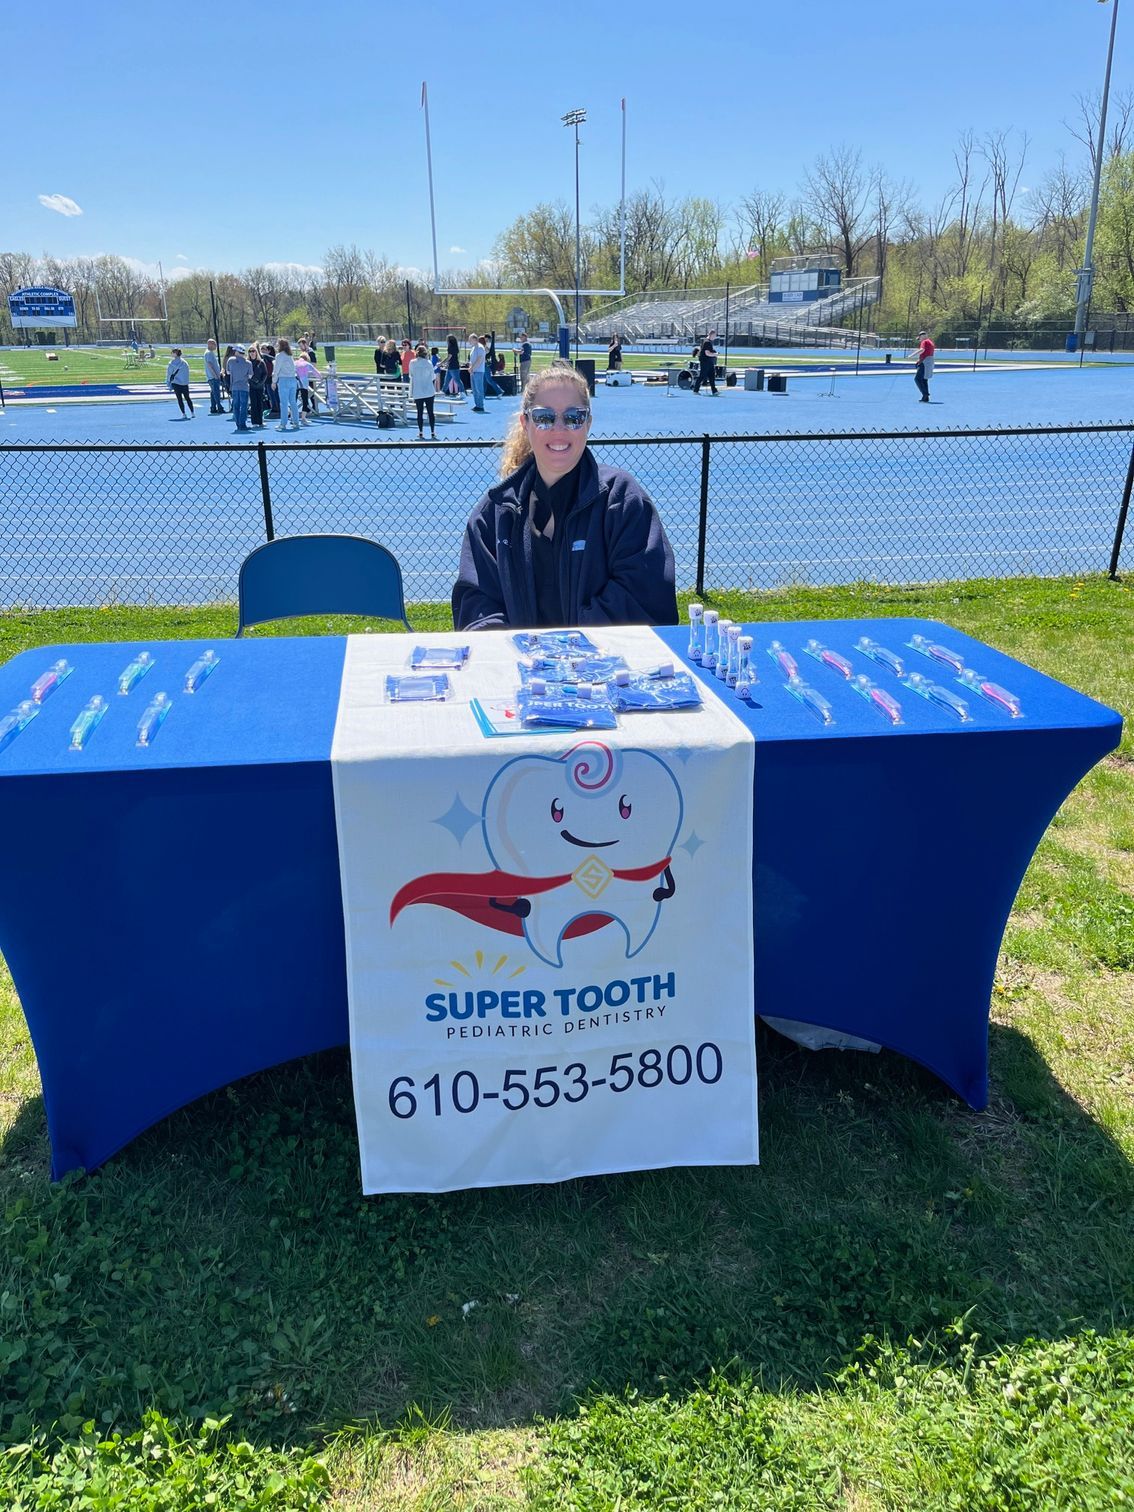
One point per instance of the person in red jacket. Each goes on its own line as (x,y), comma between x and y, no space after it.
(924,370)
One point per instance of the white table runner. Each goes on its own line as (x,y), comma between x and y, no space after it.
(549,936)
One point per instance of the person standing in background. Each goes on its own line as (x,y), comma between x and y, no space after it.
(924,371)
(405,357)
(257,387)
(177,376)
(286,385)
(476,371)
(525,355)
(453,383)
(706,366)
(421,391)
(614,353)
(239,373)
(491,387)
(226,381)
(268,353)
(213,377)
(303,370)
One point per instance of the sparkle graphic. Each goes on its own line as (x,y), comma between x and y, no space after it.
(459,820)
(692,845)
(480,958)
(592,876)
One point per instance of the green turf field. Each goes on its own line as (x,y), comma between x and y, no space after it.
(29,365)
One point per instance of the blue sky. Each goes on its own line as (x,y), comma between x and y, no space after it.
(222,136)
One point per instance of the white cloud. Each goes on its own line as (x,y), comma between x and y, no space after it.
(60,204)
(294,269)
(181,257)
(458,249)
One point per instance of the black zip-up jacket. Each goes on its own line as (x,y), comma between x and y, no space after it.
(614,563)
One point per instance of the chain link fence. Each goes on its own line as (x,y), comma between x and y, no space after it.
(96,524)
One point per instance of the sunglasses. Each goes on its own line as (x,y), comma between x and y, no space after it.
(573,419)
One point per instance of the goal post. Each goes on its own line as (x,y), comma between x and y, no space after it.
(438,335)
(362,331)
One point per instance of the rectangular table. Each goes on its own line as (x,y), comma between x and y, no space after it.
(172,917)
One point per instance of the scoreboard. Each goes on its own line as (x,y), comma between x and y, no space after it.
(32,309)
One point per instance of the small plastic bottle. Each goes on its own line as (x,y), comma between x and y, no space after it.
(712,640)
(745,672)
(135,671)
(44,686)
(201,668)
(151,721)
(696,632)
(87,722)
(14,721)
(724,629)
(734,634)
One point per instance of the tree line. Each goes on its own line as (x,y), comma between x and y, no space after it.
(992,247)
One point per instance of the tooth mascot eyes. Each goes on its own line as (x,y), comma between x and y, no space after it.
(596,867)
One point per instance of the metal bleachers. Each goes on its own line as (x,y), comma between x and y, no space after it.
(660,316)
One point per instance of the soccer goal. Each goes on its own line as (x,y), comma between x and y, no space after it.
(132,319)
(439,335)
(375,330)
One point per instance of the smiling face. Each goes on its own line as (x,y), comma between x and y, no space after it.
(588,818)
(558,450)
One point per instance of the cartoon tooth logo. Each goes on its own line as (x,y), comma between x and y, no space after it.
(577,841)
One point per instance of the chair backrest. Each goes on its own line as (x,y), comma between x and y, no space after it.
(319,574)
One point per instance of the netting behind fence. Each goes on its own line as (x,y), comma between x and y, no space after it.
(88,525)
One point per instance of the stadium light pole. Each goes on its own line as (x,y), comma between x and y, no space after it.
(576,118)
(1087,271)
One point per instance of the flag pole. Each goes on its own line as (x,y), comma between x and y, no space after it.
(429,165)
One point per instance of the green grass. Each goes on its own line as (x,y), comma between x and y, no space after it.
(907,1305)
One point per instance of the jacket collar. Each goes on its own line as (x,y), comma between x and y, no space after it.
(514,491)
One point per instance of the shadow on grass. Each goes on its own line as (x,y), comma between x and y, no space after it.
(226,1261)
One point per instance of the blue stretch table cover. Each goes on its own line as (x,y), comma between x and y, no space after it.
(172,915)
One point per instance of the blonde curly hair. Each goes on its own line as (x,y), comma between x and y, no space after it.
(517,449)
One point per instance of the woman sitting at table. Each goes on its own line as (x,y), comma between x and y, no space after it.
(562,540)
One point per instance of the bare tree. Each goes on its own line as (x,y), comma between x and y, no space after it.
(760,219)
(966,197)
(838,197)
(1057,206)
(1004,180)
(892,204)
(1120,113)
(653,238)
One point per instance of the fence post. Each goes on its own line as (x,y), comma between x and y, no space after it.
(265,491)
(703,524)
(1123,508)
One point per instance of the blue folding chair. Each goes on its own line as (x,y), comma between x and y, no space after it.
(319,574)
